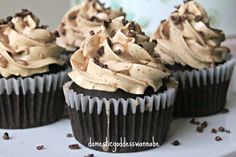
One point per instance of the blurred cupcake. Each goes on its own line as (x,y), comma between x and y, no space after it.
(31,73)
(119,90)
(193,51)
(81,19)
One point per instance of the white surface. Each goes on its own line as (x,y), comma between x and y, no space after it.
(53,137)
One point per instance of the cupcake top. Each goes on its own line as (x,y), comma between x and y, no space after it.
(120,57)
(26,48)
(79,20)
(186,38)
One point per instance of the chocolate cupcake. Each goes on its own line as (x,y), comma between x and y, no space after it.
(119,90)
(31,73)
(82,20)
(192,49)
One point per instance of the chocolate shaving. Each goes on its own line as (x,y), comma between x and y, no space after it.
(113,33)
(124,22)
(40,147)
(74,146)
(56,33)
(69,135)
(109,42)
(106,24)
(204,124)
(225,110)
(199,129)
(6,136)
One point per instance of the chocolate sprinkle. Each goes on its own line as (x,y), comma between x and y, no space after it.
(96,61)
(218,138)
(89,155)
(74,146)
(175,143)
(100,51)
(214,130)
(40,147)
(91,33)
(6,136)
(221,129)
(124,21)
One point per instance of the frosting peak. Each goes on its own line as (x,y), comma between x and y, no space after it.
(187,38)
(81,19)
(25,47)
(119,57)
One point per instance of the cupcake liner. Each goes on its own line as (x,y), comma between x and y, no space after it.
(112,120)
(202,92)
(31,101)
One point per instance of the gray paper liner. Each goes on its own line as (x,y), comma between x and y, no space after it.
(138,120)
(202,92)
(31,101)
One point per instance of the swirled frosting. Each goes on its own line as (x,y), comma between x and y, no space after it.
(81,19)
(120,57)
(25,47)
(186,38)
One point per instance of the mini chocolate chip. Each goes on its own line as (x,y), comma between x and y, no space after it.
(199,129)
(118,52)
(113,33)
(9,18)
(100,51)
(204,124)
(175,19)
(106,24)
(91,33)
(40,147)
(214,130)
(131,26)
(69,135)
(198,18)
(131,34)
(89,155)
(154,41)
(109,42)
(221,129)
(124,21)
(74,146)
(225,110)
(218,138)
(175,143)
(6,136)
(56,33)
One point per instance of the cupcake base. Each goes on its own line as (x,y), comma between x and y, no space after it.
(131,122)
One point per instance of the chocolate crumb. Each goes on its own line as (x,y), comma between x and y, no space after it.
(221,129)
(56,33)
(6,136)
(91,33)
(89,155)
(131,26)
(131,34)
(227,131)
(218,138)
(40,147)
(199,129)
(100,51)
(69,135)
(193,121)
(74,146)
(113,33)
(96,61)
(225,110)
(154,41)
(204,124)
(214,130)
(118,52)
(124,21)
(106,24)
(109,42)
(175,143)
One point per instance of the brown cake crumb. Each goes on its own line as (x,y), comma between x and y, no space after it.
(69,135)
(175,143)
(40,147)
(6,136)
(218,138)
(214,130)
(89,155)
(74,146)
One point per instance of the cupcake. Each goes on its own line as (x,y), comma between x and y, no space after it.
(80,20)
(119,91)
(31,73)
(192,49)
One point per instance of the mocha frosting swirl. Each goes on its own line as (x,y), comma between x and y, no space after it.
(186,38)
(81,19)
(25,47)
(120,57)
